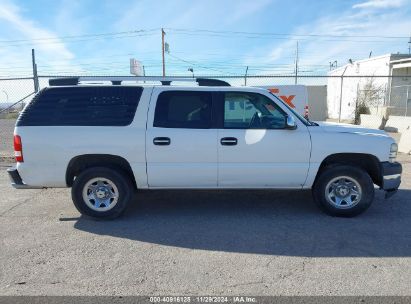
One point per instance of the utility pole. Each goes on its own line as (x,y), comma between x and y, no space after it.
(341,93)
(296,64)
(409,46)
(162,51)
(35,76)
(245,77)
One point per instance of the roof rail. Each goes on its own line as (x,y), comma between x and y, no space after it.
(116,80)
(212,82)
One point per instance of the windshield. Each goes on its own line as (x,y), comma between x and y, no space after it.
(303,120)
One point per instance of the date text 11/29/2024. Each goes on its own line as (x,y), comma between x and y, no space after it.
(202,299)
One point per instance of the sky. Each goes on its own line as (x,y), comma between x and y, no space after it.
(213,37)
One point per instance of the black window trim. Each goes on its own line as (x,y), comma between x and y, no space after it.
(221,108)
(32,121)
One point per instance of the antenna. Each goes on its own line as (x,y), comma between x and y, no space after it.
(163,50)
(296,64)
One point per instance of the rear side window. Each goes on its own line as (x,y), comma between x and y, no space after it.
(82,106)
(182,109)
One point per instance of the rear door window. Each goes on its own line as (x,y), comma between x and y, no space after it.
(82,106)
(183,109)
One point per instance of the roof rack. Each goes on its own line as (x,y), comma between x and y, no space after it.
(117,80)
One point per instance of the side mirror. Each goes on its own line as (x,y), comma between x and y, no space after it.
(290,123)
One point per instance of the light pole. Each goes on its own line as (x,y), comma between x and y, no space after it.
(191,70)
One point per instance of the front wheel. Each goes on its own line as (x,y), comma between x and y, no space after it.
(101,192)
(343,191)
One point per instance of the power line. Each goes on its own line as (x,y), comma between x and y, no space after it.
(193,32)
(78,40)
(288,38)
(80,36)
(283,34)
(195,64)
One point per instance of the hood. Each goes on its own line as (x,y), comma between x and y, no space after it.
(347,128)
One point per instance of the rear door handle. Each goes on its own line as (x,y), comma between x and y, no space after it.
(228,141)
(161,141)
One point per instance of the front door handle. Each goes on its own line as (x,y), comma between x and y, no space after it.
(161,141)
(228,141)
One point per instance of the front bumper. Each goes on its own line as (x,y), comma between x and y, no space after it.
(390,177)
(16,180)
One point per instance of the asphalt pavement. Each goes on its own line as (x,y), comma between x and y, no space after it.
(204,243)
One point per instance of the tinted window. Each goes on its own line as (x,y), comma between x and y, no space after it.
(82,106)
(178,109)
(251,111)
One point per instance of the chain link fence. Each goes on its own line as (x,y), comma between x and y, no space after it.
(365,100)
(14,93)
(400,102)
(335,98)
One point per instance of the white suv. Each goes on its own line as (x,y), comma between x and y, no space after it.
(105,141)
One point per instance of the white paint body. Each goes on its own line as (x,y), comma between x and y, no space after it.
(274,159)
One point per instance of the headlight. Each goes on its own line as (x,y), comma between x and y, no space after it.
(393,152)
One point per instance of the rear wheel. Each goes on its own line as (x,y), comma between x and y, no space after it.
(102,192)
(344,191)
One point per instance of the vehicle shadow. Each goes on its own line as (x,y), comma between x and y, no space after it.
(262,222)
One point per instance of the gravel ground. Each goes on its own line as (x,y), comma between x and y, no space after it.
(204,242)
(6,137)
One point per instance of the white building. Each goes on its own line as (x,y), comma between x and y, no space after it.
(370,77)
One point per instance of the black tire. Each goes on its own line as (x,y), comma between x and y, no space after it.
(123,184)
(358,175)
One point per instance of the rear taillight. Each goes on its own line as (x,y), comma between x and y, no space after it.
(18,149)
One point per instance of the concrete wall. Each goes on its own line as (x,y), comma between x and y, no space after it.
(371,121)
(317,102)
(401,125)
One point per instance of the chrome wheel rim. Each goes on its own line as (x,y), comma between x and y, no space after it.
(100,194)
(343,192)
